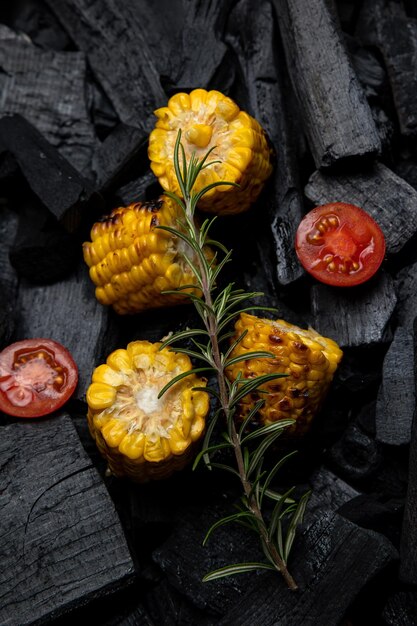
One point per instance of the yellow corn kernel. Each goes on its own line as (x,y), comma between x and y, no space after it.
(131,261)
(142,436)
(306,358)
(240,150)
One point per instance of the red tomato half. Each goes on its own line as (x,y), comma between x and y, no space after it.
(37,376)
(340,244)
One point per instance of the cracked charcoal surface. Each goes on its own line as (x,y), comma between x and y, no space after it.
(396,397)
(328,492)
(337,558)
(355,317)
(254,36)
(61,516)
(385,196)
(47,87)
(337,118)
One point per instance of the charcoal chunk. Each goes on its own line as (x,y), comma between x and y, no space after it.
(47,88)
(66,193)
(140,188)
(385,196)
(356,456)
(356,318)
(168,607)
(332,561)
(337,118)
(401,609)
(396,397)
(254,36)
(328,492)
(8,279)
(68,312)
(62,543)
(129,78)
(406,287)
(376,512)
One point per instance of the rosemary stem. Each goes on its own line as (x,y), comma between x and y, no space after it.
(212,329)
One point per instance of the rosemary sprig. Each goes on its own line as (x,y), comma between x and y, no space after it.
(217,311)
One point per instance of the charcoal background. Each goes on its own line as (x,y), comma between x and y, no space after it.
(90,94)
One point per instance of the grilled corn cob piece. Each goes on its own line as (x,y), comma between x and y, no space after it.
(208,119)
(308,359)
(131,262)
(141,436)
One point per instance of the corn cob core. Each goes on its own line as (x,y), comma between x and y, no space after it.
(308,359)
(131,261)
(210,120)
(141,436)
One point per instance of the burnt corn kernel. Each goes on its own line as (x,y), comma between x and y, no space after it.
(141,436)
(131,261)
(210,120)
(308,359)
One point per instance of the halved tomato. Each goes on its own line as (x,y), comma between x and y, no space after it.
(37,376)
(340,244)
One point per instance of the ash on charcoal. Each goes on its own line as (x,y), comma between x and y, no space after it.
(123,151)
(383,23)
(406,287)
(68,312)
(47,88)
(356,456)
(332,561)
(129,77)
(401,609)
(337,118)
(253,36)
(201,65)
(67,545)
(8,280)
(66,194)
(42,251)
(408,552)
(357,318)
(385,196)
(396,397)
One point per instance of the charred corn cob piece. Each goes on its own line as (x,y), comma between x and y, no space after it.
(143,437)
(308,359)
(131,261)
(208,119)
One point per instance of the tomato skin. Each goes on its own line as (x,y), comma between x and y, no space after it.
(340,244)
(37,376)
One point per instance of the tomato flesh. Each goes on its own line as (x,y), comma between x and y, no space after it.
(340,244)
(37,376)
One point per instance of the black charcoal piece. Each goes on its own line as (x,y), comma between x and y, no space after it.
(8,277)
(141,188)
(254,36)
(47,88)
(357,316)
(68,312)
(52,179)
(406,288)
(124,149)
(408,552)
(401,609)
(396,397)
(61,542)
(37,21)
(170,608)
(43,251)
(376,512)
(332,561)
(384,23)
(204,22)
(385,196)
(328,492)
(337,118)
(356,456)
(118,54)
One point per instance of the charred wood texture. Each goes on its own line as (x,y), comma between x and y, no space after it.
(337,118)
(408,552)
(66,194)
(385,24)
(385,196)
(396,397)
(118,54)
(400,609)
(406,288)
(61,539)
(355,317)
(47,88)
(254,36)
(335,559)
(68,312)
(8,277)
